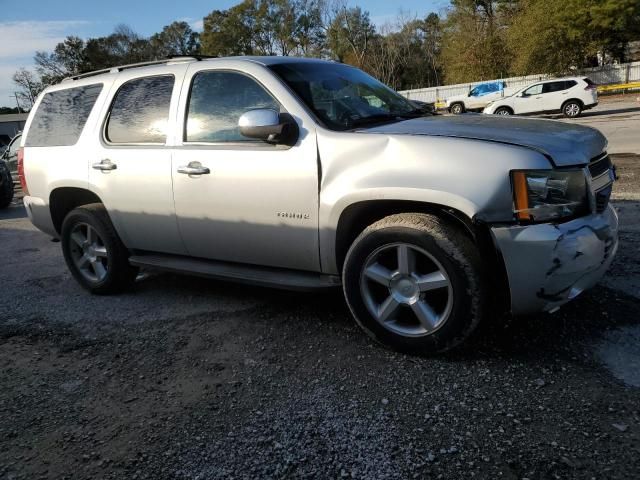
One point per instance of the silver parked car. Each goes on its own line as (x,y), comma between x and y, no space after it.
(305,174)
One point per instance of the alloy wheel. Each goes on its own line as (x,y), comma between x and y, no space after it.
(406,290)
(88,252)
(572,109)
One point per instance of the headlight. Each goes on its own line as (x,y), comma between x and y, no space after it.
(544,195)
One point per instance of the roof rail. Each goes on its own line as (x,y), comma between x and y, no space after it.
(135,65)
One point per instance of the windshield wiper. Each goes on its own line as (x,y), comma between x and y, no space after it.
(377,118)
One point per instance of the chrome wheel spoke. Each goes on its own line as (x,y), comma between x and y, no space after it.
(378,274)
(432,281)
(98,269)
(425,314)
(406,259)
(78,238)
(82,261)
(387,309)
(91,235)
(100,251)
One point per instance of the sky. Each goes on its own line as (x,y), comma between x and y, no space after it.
(41,24)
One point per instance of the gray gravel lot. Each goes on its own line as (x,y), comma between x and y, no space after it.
(186,378)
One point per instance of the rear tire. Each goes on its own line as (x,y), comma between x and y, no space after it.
(430,305)
(94,253)
(572,109)
(6,185)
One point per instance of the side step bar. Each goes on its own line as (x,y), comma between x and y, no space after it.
(236,272)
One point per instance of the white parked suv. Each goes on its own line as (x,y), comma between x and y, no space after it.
(571,96)
(306,174)
(478,97)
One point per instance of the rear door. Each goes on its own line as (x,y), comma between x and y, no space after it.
(555,94)
(131,169)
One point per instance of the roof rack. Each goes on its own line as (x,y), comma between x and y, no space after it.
(120,68)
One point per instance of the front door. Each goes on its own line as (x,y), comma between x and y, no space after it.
(131,170)
(531,100)
(238,199)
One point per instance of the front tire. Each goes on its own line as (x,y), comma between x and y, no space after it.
(6,185)
(94,253)
(572,109)
(457,108)
(504,111)
(413,283)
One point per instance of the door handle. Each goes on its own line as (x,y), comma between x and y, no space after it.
(104,165)
(194,168)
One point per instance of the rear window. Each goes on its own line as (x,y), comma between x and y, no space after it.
(61,116)
(140,111)
(588,81)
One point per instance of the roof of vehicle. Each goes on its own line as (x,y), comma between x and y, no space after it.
(558,79)
(263,60)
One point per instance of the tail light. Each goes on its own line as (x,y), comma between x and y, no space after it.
(23,180)
(591,87)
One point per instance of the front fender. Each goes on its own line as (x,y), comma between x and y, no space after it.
(330,213)
(471,176)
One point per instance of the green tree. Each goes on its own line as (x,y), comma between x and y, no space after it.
(474,40)
(178,38)
(350,34)
(556,37)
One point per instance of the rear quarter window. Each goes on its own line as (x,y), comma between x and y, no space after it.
(61,116)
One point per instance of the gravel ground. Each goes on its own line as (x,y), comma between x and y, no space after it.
(185,378)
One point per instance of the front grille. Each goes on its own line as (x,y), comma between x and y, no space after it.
(599,165)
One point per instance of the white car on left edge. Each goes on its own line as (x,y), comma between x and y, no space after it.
(570,96)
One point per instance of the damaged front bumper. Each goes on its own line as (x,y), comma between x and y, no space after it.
(547,265)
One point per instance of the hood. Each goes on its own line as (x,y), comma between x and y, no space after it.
(563,143)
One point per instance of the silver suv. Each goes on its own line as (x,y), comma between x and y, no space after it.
(306,174)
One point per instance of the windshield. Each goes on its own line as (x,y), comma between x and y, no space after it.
(343,97)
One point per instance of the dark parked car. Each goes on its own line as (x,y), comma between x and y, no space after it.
(9,171)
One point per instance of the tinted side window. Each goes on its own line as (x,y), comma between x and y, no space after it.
(217,101)
(61,116)
(570,84)
(140,111)
(553,87)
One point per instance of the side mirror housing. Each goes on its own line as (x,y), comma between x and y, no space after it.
(269,125)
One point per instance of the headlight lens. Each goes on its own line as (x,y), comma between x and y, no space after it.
(544,195)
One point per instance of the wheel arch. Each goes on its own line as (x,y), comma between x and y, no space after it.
(505,107)
(64,199)
(358,216)
(577,100)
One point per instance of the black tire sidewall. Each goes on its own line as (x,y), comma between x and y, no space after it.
(461,320)
(117,261)
(503,109)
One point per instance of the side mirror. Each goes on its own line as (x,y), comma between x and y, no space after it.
(266,124)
